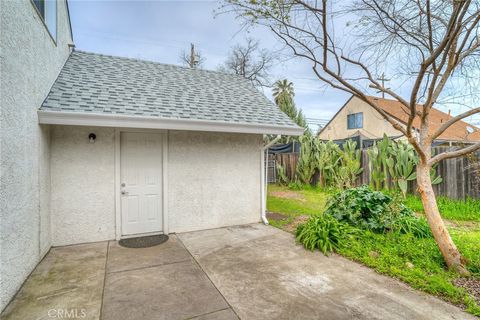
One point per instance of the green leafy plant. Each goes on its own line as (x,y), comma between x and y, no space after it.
(347,167)
(373,210)
(378,159)
(282,175)
(394,160)
(325,233)
(402,165)
(327,158)
(375,167)
(306,162)
(410,224)
(360,207)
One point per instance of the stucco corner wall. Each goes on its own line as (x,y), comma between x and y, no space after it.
(213,180)
(83,185)
(29,64)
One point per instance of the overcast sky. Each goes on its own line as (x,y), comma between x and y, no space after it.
(160,30)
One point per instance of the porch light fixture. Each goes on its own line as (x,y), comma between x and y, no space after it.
(92,137)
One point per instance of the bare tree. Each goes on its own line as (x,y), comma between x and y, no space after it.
(437,43)
(251,62)
(193,59)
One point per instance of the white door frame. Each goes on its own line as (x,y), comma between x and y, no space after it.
(118,207)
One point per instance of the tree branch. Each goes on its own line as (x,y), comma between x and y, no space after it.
(453,120)
(454,154)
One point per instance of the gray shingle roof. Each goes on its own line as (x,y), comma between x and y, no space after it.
(100,84)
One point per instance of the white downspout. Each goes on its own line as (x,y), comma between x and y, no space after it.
(264,177)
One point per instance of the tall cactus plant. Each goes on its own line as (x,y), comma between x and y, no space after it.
(327,158)
(379,155)
(350,165)
(402,165)
(306,164)
(375,167)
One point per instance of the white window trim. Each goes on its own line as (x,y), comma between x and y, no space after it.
(45,23)
(355,120)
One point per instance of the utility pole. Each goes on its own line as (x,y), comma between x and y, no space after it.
(383,79)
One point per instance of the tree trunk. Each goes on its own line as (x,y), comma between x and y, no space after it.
(451,255)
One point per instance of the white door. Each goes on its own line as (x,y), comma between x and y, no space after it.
(141,182)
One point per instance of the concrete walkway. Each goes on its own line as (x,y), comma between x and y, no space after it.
(246,272)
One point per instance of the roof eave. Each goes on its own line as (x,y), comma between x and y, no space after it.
(125,121)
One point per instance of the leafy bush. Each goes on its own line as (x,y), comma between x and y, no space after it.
(324,233)
(373,210)
(360,207)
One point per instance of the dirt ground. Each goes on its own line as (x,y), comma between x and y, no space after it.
(292,226)
(288,195)
(276,216)
(472,285)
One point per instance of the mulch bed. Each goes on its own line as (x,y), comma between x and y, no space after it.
(472,285)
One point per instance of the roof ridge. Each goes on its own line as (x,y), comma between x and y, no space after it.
(158,63)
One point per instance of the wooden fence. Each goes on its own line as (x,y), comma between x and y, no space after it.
(461,176)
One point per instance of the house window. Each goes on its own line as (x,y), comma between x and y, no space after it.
(47,9)
(355,120)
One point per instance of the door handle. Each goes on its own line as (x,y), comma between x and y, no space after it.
(123,192)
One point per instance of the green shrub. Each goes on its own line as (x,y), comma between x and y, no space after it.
(373,210)
(325,233)
(361,207)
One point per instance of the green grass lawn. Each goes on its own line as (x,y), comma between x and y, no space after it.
(468,210)
(415,261)
(306,202)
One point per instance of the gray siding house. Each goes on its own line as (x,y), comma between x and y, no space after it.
(96,147)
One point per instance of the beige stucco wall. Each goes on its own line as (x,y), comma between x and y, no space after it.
(83,177)
(213,180)
(29,64)
(374,126)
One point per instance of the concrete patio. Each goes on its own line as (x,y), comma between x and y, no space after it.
(247,272)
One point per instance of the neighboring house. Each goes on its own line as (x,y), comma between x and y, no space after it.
(358,119)
(97,147)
